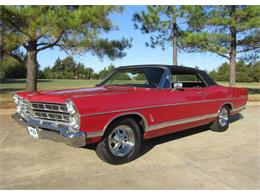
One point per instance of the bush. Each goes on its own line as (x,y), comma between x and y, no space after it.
(245,72)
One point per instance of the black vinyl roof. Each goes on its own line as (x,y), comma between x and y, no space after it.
(173,68)
(176,69)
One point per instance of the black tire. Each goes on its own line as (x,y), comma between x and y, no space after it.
(105,149)
(219,126)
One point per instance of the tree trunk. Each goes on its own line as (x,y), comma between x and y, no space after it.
(232,81)
(174,46)
(31,63)
(174,42)
(174,53)
(233,51)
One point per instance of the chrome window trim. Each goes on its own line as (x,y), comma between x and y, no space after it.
(202,79)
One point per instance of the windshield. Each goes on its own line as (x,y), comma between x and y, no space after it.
(148,77)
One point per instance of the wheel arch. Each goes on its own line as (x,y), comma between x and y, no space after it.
(138,117)
(228,104)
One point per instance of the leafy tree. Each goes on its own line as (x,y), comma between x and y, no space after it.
(72,28)
(161,22)
(106,71)
(122,76)
(255,71)
(245,72)
(223,30)
(58,66)
(89,73)
(223,72)
(67,69)
(95,76)
(140,77)
(80,70)
(213,74)
(48,73)
(10,68)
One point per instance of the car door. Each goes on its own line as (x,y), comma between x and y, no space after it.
(185,101)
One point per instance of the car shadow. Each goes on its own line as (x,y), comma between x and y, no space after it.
(151,143)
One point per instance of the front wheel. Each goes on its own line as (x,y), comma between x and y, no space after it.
(222,122)
(121,142)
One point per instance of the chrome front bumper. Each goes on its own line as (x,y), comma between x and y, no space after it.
(51,130)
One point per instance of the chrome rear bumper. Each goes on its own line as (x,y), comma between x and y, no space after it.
(52,131)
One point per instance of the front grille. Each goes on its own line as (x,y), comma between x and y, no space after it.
(49,107)
(48,111)
(51,116)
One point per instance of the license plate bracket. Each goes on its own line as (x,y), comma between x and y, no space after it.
(33,132)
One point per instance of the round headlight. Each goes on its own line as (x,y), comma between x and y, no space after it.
(70,107)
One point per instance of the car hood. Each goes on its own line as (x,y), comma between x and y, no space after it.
(60,96)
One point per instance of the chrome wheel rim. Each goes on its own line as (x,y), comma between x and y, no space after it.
(121,140)
(223,117)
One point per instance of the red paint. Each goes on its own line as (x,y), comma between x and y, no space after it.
(98,106)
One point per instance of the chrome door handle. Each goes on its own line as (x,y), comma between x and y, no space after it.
(200,93)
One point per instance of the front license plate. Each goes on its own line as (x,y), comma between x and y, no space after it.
(33,132)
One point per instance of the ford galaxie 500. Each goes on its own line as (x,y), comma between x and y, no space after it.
(132,104)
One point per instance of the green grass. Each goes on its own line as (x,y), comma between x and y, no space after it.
(9,86)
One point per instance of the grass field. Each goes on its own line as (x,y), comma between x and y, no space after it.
(8,86)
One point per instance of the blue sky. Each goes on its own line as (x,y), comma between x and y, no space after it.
(138,53)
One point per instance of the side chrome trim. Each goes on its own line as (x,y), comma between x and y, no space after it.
(158,106)
(189,120)
(125,114)
(181,121)
(95,134)
(238,109)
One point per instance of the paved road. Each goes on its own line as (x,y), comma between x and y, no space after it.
(194,159)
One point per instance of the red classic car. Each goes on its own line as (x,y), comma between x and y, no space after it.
(132,104)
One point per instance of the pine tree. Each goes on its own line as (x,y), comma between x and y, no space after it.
(227,31)
(72,28)
(162,23)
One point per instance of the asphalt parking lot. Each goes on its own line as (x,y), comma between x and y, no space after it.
(193,159)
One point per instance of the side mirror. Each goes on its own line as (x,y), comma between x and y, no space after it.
(178,86)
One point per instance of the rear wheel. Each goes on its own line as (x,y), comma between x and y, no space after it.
(121,143)
(222,122)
